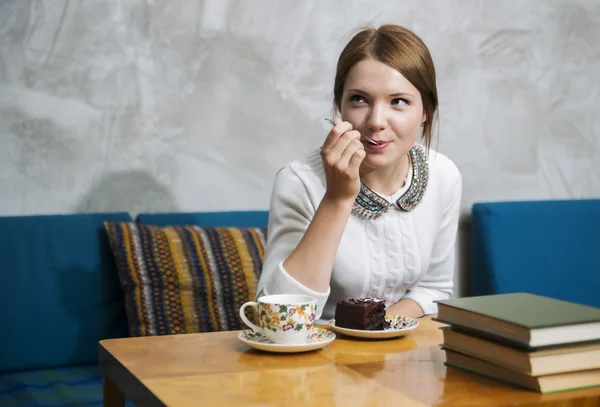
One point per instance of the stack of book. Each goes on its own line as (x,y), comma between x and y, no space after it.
(528,340)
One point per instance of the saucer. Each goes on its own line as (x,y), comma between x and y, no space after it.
(398,327)
(317,339)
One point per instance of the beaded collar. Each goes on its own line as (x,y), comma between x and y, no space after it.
(368,204)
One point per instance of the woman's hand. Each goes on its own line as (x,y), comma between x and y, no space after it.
(406,308)
(342,154)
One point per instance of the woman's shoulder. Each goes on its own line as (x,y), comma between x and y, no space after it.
(442,168)
(301,178)
(308,168)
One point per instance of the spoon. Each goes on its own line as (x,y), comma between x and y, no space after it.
(365,137)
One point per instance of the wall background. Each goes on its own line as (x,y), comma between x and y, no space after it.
(193,105)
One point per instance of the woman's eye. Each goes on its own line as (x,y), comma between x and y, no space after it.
(399,102)
(357,98)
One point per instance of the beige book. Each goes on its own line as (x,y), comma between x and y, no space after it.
(543,384)
(534,363)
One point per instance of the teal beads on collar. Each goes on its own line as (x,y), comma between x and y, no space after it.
(368,204)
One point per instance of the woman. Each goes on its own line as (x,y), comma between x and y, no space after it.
(372,213)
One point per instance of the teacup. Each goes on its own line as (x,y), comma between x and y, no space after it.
(284,318)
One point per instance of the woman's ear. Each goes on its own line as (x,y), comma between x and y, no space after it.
(423,119)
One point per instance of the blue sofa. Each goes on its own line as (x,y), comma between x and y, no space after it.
(60,295)
(549,248)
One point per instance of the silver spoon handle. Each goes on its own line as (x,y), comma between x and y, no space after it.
(365,137)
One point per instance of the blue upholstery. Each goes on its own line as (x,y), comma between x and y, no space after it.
(60,295)
(549,248)
(71,386)
(241,219)
(59,290)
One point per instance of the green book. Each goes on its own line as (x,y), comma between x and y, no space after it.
(522,319)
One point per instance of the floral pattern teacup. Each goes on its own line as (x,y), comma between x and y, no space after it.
(284,318)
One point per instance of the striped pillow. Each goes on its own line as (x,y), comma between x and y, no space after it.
(186,279)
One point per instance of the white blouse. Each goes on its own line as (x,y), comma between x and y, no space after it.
(398,255)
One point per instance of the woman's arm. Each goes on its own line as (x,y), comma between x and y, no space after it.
(311,262)
(406,308)
(302,246)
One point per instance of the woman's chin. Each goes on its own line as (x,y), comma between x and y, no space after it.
(376,161)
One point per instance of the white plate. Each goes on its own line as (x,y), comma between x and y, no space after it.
(317,339)
(399,326)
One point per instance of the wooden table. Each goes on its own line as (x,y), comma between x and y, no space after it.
(216,369)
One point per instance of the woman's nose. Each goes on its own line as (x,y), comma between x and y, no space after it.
(376,119)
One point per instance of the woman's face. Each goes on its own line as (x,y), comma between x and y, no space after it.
(383,105)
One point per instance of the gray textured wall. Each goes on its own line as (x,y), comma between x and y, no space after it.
(193,105)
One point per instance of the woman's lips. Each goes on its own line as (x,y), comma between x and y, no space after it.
(381,145)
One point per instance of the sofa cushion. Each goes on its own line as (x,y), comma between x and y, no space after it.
(186,279)
(61,387)
(59,290)
(547,248)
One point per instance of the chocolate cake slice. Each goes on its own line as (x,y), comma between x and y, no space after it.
(361,313)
